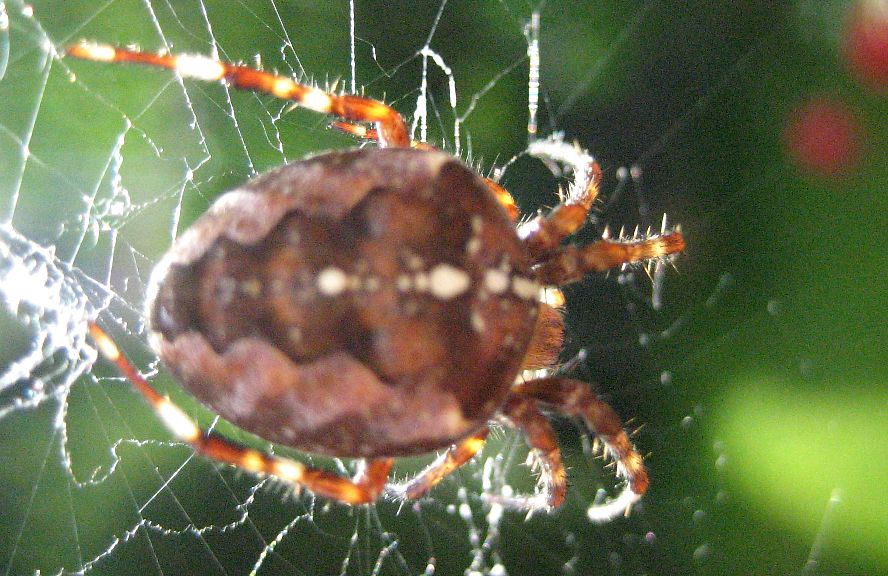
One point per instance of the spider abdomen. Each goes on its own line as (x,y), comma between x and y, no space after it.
(362,303)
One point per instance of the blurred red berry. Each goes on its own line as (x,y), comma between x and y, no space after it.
(823,137)
(865,43)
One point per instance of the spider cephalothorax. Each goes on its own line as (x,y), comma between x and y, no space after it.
(373,303)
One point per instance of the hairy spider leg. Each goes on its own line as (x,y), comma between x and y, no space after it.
(503,195)
(523,412)
(520,412)
(365,487)
(445,464)
(570,263)
(575,398)
(390,127)
(544,233)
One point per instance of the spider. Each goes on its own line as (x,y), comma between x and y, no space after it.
(371,304)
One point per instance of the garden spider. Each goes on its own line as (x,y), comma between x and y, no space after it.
(371,304)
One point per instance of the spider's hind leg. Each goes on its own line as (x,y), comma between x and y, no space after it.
(364,487)
(445,464)
(523,412)
(557,264)
(575,398)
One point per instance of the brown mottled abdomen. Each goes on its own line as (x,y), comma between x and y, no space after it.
(371,302)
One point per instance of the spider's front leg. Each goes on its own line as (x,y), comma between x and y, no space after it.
(391,131)
(570,263)
(364,487)
(544,233)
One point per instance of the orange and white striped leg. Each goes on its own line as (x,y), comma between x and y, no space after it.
(390,127)
(365,487)
(365,133)
(445,464)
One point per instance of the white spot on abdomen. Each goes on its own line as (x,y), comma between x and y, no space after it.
(404,283)
(478,323)
(525,288)
(446,281)
(332,281)
(252,287)
(496,281)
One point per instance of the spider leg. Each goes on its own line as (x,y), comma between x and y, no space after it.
(544,233)
(391,129)
(503,195)
(446,463)
(575,398)
(365,487)
(523,412)
(568,264)
(365,133)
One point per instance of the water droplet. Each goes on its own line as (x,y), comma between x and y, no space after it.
(698,517)
(622,173)
(702,553)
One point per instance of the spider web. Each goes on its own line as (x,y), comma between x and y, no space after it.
(103,166)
